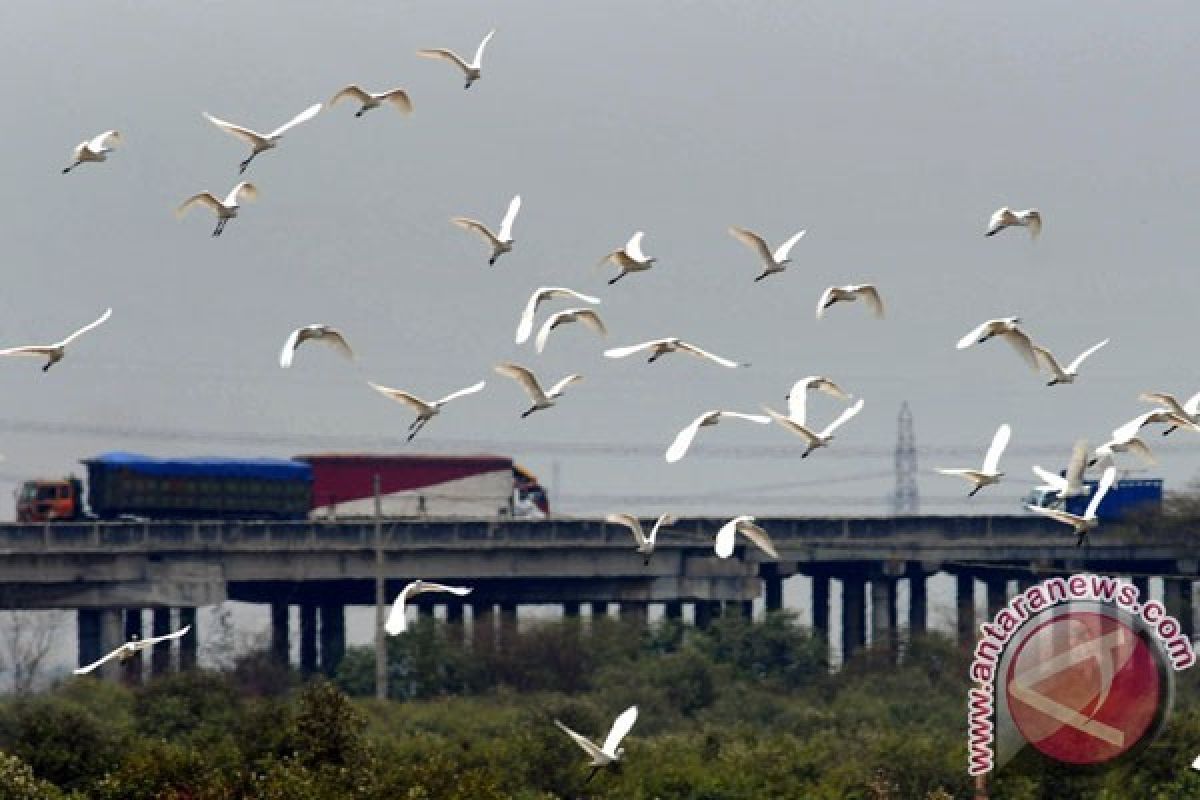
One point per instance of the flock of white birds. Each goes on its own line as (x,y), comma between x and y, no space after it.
(630,259)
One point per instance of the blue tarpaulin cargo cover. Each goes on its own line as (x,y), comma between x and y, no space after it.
(265,468)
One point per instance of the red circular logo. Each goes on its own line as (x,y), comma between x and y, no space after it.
(1084,687)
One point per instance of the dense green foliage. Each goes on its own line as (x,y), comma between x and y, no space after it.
(739,711)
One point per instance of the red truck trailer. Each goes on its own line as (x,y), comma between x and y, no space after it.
(423,485)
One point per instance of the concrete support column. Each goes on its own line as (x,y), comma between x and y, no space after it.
(918,602)
(772,588)
(636,612)
(1177,597)
(131,670)
(964,601)
(160,657)
(880,612)
(308,638)
(190,641)
(673,609)
(997,594)
(820,604)
(112,628)
(281,644)
(853,612)
(333,636)
(89,638)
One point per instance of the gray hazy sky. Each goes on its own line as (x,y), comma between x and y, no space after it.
(890,131)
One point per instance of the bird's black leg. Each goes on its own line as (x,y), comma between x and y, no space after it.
(492,260)
(591,775)
(646,561)
(360,112)
(73,166)
(528,412)
(47,366)
(246,163)
(974,491)
(614,280)
(760,277)
(1169,430)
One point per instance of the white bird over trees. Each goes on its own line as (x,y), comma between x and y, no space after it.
(629,258)
(425,410)
(529,382)
(1071,372)
(1088,522)
(397,621)
(611,752)
(539,296)
(262,142)
(95,149)
(322,333)
(683,440)
(745,525)
(1071,484)
(797,398)
(397,97)
(1006,218)
(473,71)
(131,648)
(848,294)
(670,344)
(54,352)
(988,473)
(502,242)
(774,262)
(1006,328)
(225,209)
(1189,410)
(585,315)
(645,543)
(815,439)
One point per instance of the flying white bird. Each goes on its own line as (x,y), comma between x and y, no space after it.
(1082,525)
(472,71)
(1069,374)
(262,142)
(1189,410)
(131,648)
(529,382)
(397,97)
(1071,484)
(744,525)
(1158,416)
(645,544)
(815,439)
(987,474)
(775,262)
(797,398)
(629,258)
(848,294)
(683,440)
(54,352)
(95,149)
(611,752)
(670,344)
(322,333)
(501,243)
(540,295)
(1006,218)
(225,209)
(425,410)
(1006,328)
(396,621)
(1125,440)
(585,315)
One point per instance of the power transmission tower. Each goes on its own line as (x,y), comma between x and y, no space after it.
(905,500)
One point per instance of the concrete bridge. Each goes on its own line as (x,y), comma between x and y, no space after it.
(110,572)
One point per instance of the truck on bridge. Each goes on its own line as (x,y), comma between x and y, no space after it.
(1127,495)
(129,485)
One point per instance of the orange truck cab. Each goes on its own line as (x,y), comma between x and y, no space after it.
(52,499)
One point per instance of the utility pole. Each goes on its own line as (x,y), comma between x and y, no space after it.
(381,687)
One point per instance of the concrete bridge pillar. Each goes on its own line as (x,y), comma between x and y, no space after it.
(281,644)
(88,635)
(112,626)
(997,594)
(880,611)
(160,625)
(964,601)
(131,670)
(189,642)
(918,601)
(853,614)
(820,604)
(333,636)
(308,638)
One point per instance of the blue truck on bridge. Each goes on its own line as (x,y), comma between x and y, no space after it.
(1126,496)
